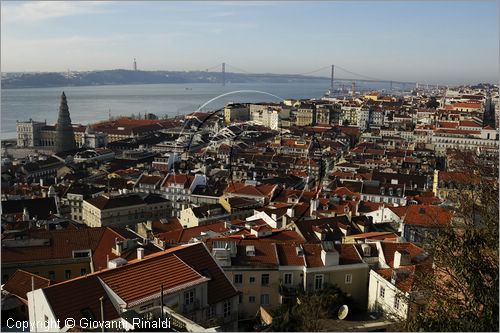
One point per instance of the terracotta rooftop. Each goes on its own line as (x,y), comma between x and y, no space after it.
(390,248)
(427,216)
(136,282)
(22,282)
(182,236)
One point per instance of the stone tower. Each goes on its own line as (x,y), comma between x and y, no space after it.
(65,138)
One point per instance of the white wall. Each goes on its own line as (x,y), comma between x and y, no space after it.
(387,303)
(39,310)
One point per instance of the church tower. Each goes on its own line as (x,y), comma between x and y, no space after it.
(65,137)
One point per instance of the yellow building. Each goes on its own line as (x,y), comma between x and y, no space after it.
(269,271)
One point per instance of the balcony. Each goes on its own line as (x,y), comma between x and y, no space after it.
(178,322)
(291,290)
(189,308)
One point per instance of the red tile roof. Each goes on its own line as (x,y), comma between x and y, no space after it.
(389,249)
(22,282)
(134,283)
(312,254)
(68,299)
(176,269)
(61,245)
(181,236)
(178,179)
(427,216)
(288,256)
(198,257)
(348,254)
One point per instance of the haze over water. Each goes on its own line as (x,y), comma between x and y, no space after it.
(92,103)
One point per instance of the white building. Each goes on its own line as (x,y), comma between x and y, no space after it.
(390,289)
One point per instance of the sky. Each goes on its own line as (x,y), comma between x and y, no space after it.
(448,42)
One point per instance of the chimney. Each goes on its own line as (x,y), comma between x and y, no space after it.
(401,258)
(26,215)
(41,182)
(313,206)
(140,253)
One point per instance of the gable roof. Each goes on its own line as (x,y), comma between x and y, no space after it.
(140,280)
(71,298)
(22,282)
(198,257)
(390,248)
(143,279)
(427,216)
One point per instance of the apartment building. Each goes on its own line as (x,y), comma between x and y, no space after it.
(124,209)
(198,296)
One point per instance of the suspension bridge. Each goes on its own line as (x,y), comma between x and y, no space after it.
(354,78)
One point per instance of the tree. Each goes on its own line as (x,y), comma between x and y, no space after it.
(309,311)
(462,293)
(432,103)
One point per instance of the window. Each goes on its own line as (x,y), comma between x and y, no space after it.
(382,292)
(252,279)
(238,278)
(264,299)
(46,320)
(52,275)
(318,282)
(189,297)
(265,279)
(83,271)
(67,274)
(396,303)
(211,311)
(81,254)
(288,278)
(251,299)
(227,309)
(348,278)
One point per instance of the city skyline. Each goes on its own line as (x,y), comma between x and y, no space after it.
(407,41)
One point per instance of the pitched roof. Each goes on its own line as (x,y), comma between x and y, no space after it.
(110,202)
(60,245)
(22,282)
(178,179)
(330,226)
(427,216)
(185,235)
(71,299)
(288,255)
(390,248)
(198,257)
(144,278)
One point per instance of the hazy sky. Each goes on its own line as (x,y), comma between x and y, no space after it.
(426,41)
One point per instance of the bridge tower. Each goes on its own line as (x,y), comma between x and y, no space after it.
(331,80)
(223,73)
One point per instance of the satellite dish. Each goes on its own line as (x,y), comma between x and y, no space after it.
(343,312)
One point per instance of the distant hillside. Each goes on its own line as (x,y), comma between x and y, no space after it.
(121,76)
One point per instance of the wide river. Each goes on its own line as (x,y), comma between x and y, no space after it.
(93,103)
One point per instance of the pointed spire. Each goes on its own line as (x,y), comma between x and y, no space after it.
(65,137)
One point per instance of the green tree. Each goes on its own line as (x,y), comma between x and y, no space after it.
(307,314)
(432,103)
(462,293)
